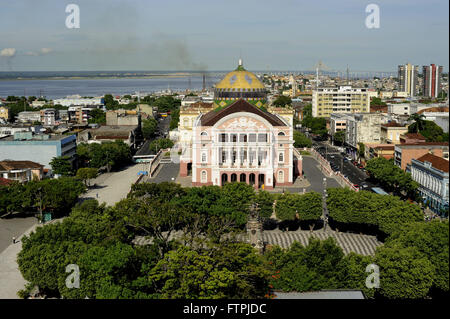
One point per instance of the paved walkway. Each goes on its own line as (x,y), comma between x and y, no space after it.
(114,186)
(14,227)
(349,242)
(111,188)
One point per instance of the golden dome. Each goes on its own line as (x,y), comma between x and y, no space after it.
(240,79)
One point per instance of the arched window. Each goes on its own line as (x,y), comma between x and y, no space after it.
(281,158)
(281,134)
(204,134)
(280,177)
(204,177)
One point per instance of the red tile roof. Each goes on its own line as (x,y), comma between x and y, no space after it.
(434,109)
(5,181)
(415,136)
(436,161)
(392,124)
(10,165)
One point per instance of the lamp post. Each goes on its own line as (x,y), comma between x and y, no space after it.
(324,204)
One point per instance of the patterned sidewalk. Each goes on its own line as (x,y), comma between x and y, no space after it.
(349,242)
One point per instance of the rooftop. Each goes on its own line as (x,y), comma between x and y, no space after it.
(436,161)
(211,118)
(443,109)
(393,124)
(8,165)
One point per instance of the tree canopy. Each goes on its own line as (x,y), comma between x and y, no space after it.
(282,101)
(300,140)
(392,177)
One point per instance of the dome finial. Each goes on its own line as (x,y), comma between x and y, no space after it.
(240,62)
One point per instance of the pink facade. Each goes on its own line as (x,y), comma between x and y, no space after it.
(241,143)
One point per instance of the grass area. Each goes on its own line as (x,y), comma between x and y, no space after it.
(305,153)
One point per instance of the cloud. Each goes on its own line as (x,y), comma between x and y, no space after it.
(8,52)
(42,51)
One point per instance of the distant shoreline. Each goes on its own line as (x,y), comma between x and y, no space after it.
(97,77)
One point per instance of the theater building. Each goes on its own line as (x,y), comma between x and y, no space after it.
(241,143)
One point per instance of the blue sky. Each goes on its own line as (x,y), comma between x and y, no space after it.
(211,35)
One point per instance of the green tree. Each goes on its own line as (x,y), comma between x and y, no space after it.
(11,198)
(111,155)
(160,143)
(317,266)
(306,207)
(339,137)
(61,165)
(432,240)
(86,173)
(55,195)
(174,119)
(430,130)
(392,177)
(225,271)
(404,272)
(265,202)
(300,140)
(149,127)
(282,101)
(97,116)
(418,125)
(167,103)
(110,103)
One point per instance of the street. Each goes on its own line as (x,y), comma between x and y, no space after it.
(340,163)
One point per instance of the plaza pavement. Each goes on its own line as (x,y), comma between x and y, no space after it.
(349,242)
(111,188)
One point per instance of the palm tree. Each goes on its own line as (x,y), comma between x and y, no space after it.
(419,122)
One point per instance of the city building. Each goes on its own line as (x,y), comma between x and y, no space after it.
(438,115)
(399,108)
(391,131)
(40,148)
(363,128)
(432,80)
(29,117)
(378,150)
(80,114)
(338,122)
(48,117)
(343,99)
(37,104)
(405,153)
(431,172)
(407,77)
(188,115)
(21,171)
(5,114)
(77,100)
(122,117)
(109,133)
(241,143)
(10,129)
